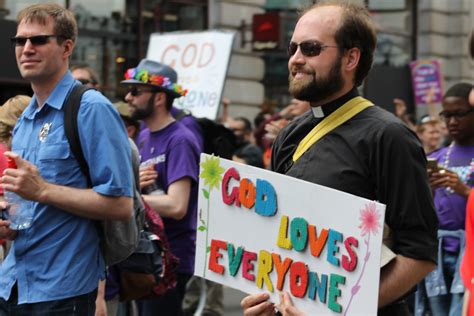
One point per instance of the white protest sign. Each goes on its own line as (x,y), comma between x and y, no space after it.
(201,60)
(260,231)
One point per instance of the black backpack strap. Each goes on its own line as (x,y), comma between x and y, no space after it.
(71,109)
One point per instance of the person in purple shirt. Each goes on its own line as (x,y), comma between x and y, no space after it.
(451,182)
(169,170)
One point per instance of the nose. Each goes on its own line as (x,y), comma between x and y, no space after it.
(452,120)
(297,58)
(128,97)
(28,47)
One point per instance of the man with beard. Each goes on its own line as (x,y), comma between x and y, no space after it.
(169,170)
(369,153)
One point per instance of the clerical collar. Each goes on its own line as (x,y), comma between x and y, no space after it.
(328,108)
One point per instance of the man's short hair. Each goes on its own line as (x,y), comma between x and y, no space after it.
(169,101)
(89,69)
(459,90)
(247,124)
(356,30)
(65,25)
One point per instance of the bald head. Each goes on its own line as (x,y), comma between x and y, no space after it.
(353,28)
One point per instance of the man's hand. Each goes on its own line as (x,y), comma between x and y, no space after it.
(5,231)
(274,127)
(286,306)
(25,181)
(148,176)
(257,305)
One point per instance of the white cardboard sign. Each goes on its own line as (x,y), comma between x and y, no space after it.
(259,231)
(201,60)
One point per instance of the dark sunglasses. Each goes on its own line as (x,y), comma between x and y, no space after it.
(87,81)
(308,49)
(84,81)
(34,40)
(457,115)
(134,91)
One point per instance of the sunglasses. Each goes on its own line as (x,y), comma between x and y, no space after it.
(135,92)
(87,81)
(457,115)
(308,48)
(34,40)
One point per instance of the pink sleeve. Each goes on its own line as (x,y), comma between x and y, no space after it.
(467,266)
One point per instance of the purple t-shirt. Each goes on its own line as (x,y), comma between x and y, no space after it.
(175,152)
(190,122)
(451,207)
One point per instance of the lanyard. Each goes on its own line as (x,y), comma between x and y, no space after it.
(336,118)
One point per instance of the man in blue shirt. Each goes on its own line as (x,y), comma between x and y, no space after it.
(54,266)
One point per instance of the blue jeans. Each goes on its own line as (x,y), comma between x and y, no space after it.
(450,303)
(82,305)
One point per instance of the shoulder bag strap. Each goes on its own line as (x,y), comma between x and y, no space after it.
(336,118)
(71,109)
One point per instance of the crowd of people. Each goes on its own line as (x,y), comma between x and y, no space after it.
(56,265)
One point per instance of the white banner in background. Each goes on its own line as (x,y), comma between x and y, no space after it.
(201,60)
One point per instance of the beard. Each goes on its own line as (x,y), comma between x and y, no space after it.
(318,89)
(141,114)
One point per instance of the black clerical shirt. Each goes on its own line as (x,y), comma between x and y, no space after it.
(375,156)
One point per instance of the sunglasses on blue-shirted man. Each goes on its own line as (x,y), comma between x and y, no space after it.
(36,40)
(307,48)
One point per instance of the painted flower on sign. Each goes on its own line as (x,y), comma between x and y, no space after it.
(369,220)
(212,175)
(369,225)
(211,172)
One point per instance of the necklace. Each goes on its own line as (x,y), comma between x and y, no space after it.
(446,164)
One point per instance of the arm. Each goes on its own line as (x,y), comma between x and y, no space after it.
(27,182)
(465,306)
(100,305)
(399,276)
(410,212)
(174,204)
(224,114)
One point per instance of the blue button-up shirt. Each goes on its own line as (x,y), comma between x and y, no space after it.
(59,256)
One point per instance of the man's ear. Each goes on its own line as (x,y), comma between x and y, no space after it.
(351,60)
(68,47)
(160,98)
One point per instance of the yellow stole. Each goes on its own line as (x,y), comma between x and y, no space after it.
(336,118)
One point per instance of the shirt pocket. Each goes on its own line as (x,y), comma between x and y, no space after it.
(55,162)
